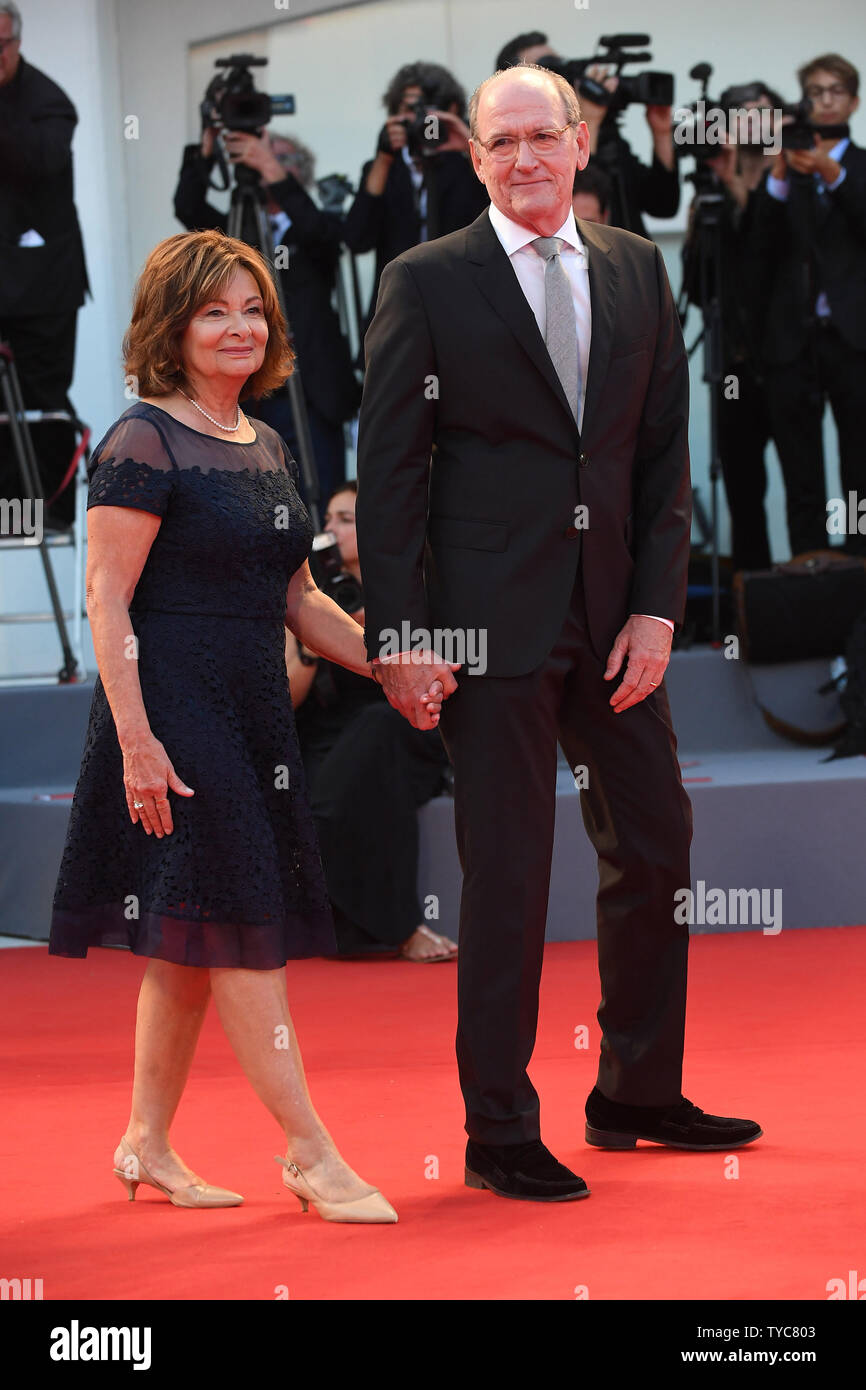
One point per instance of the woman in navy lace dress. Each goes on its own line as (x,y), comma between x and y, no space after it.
(190,838)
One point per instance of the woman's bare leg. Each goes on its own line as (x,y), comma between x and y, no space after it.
(254,1012)
(172,1003)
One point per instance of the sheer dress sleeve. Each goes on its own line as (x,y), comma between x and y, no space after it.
(132,467)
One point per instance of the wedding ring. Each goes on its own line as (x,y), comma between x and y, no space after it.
(138,805)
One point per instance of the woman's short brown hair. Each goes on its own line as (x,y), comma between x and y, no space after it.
(180,274)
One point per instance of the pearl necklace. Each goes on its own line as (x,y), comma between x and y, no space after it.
(230,429)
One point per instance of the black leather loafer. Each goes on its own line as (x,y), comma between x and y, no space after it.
(528,1172)
(610,1125)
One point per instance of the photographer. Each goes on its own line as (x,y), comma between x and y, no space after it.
(43,276)
(525,48)
(312,240)
(421,184)
(743,419)
(636,187)
(811,236)
(368,771)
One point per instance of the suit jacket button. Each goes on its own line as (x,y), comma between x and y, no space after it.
(570,531)
(583,460)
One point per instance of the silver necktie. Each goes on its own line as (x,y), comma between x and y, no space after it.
(561,326)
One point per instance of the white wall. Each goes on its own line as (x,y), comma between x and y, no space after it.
(150,58)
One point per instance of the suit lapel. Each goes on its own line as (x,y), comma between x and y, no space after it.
(602,294)
(498,283)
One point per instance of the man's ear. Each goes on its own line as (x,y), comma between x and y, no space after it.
(476,162)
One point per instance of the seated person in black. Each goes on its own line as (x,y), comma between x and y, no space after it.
(368,770)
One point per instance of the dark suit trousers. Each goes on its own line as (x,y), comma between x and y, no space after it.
(796,394)
(501,735)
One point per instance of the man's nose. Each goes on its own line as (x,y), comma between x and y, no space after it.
(525,155)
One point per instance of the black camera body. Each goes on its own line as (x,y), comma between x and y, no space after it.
(419,139)
(646,88)
(799,133)
(326,567)
(233,101)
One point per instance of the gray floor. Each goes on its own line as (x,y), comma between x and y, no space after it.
(769,815)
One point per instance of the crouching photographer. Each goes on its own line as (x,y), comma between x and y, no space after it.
(420,184)
(368,771)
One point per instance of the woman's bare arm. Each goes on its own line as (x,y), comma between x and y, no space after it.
(118,544)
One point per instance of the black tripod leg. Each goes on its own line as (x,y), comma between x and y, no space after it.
(22,443)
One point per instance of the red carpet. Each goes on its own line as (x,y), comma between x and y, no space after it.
(776,1032)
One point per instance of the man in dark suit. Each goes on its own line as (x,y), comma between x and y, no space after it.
(810,233)
(43,276)
(309,239)
(553,523)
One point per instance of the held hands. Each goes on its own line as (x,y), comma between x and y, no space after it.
(147,775)
(416,683)
(646,643)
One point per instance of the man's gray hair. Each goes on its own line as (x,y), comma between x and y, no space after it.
(8,7)
(570,103)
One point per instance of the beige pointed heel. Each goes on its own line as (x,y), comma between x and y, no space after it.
(133,1174)
(372,1208)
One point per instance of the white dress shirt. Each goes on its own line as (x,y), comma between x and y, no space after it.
(528,266)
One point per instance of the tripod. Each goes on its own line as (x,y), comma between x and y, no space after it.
(32,490)
(248,221)
(704,253)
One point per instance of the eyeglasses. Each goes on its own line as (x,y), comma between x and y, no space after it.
(838,89)
(541,142)
(4,44)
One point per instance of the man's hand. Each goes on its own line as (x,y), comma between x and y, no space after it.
(415,683)
(660,120)
(661,123)
(724,166)
(458,133)
(392,136)
(594,112)
(646,643)
(814,162)
(256,152)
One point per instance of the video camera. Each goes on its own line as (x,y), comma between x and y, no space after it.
(799,133)
(647,88)
(232,100)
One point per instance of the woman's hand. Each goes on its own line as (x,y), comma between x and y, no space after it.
(147,775)
(432,702)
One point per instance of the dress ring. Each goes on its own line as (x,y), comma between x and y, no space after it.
(138,805)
